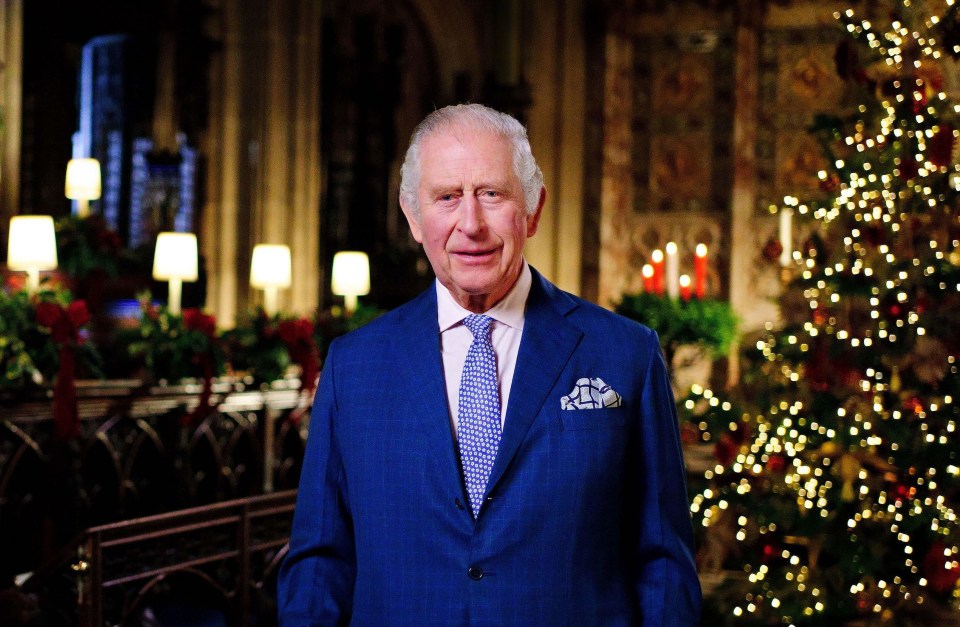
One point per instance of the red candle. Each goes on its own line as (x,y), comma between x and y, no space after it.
(685,287)
(700,271)
(647,277)
(656,259)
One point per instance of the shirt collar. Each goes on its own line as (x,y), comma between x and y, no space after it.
(509,310)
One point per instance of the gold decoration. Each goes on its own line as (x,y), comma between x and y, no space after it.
(829,449)
(849,469)
(928,359)
(849,464)
(809,77)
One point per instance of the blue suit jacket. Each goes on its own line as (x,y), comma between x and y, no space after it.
(586,519)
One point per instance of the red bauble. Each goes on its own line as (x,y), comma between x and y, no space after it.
(940,146)
(772,249)
(776,463)
(914,404)
(726,449)
(770,552)
(908,168)
(873,235)
(902,492)
(830,184)
(940,577)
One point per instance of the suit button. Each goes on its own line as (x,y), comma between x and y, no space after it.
(460,505)
(475,573)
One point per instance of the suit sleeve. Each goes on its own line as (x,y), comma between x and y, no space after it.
(665,576)
(316,579)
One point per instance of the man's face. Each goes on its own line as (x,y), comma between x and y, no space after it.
(472,222)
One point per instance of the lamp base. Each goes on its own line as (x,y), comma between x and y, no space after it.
(173,296)
(350,303)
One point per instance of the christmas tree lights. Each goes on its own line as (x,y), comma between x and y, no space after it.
(838,474)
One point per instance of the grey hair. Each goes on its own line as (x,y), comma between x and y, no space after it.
(481,118)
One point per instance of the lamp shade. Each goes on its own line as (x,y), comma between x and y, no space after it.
(83,179)
(175,257)
(32,243)
(351,274)
(270,266)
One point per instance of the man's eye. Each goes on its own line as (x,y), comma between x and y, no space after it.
(446,197)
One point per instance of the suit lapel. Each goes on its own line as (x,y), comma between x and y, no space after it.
(547,344)
(419,344)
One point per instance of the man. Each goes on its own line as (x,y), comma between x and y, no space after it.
(496,451)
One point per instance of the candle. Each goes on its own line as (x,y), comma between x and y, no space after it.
(786,215)
(657,262)
(700,271)
(684,282)
(647,278)
(672,271)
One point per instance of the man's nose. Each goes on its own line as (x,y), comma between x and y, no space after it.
(471,216)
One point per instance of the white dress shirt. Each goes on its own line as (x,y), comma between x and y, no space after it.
(455,339)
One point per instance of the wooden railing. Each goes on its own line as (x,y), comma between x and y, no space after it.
(227,553)
(140,453)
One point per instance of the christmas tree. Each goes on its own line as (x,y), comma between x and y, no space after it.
(836,489)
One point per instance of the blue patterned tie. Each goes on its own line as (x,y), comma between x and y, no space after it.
(479,413)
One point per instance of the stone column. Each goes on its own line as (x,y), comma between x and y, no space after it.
(11,93)
(556,127)
(264,144)
(304,224)
(225,150)
(744,196)
(616,189)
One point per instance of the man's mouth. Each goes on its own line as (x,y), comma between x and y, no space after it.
(475,255)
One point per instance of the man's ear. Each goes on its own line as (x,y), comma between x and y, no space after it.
(534,220)
(413,221)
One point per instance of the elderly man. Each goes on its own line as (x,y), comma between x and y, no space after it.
(496,451)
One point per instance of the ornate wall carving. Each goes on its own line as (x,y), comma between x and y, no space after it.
(707,108)
(797,78)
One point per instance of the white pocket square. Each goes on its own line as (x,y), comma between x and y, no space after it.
(591,394)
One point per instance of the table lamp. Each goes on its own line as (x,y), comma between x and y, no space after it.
(269,271)
(351,277)
(83,183)
(175,260)
(32,247)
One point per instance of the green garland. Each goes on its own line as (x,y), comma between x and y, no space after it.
(704,322)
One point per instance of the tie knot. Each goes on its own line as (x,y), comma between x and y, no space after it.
(479,325)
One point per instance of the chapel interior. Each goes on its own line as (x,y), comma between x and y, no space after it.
(284,123)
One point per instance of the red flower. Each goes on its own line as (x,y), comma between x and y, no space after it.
(64,323)
(78,313)
(48,313)
(298,336)
(300,330)
(198,321)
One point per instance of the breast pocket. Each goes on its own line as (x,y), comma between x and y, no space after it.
(591,419)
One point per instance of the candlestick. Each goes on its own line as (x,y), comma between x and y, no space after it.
(656,258)
(684,282)
(786,216)
(700,271)
(647,278)
(673,271)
